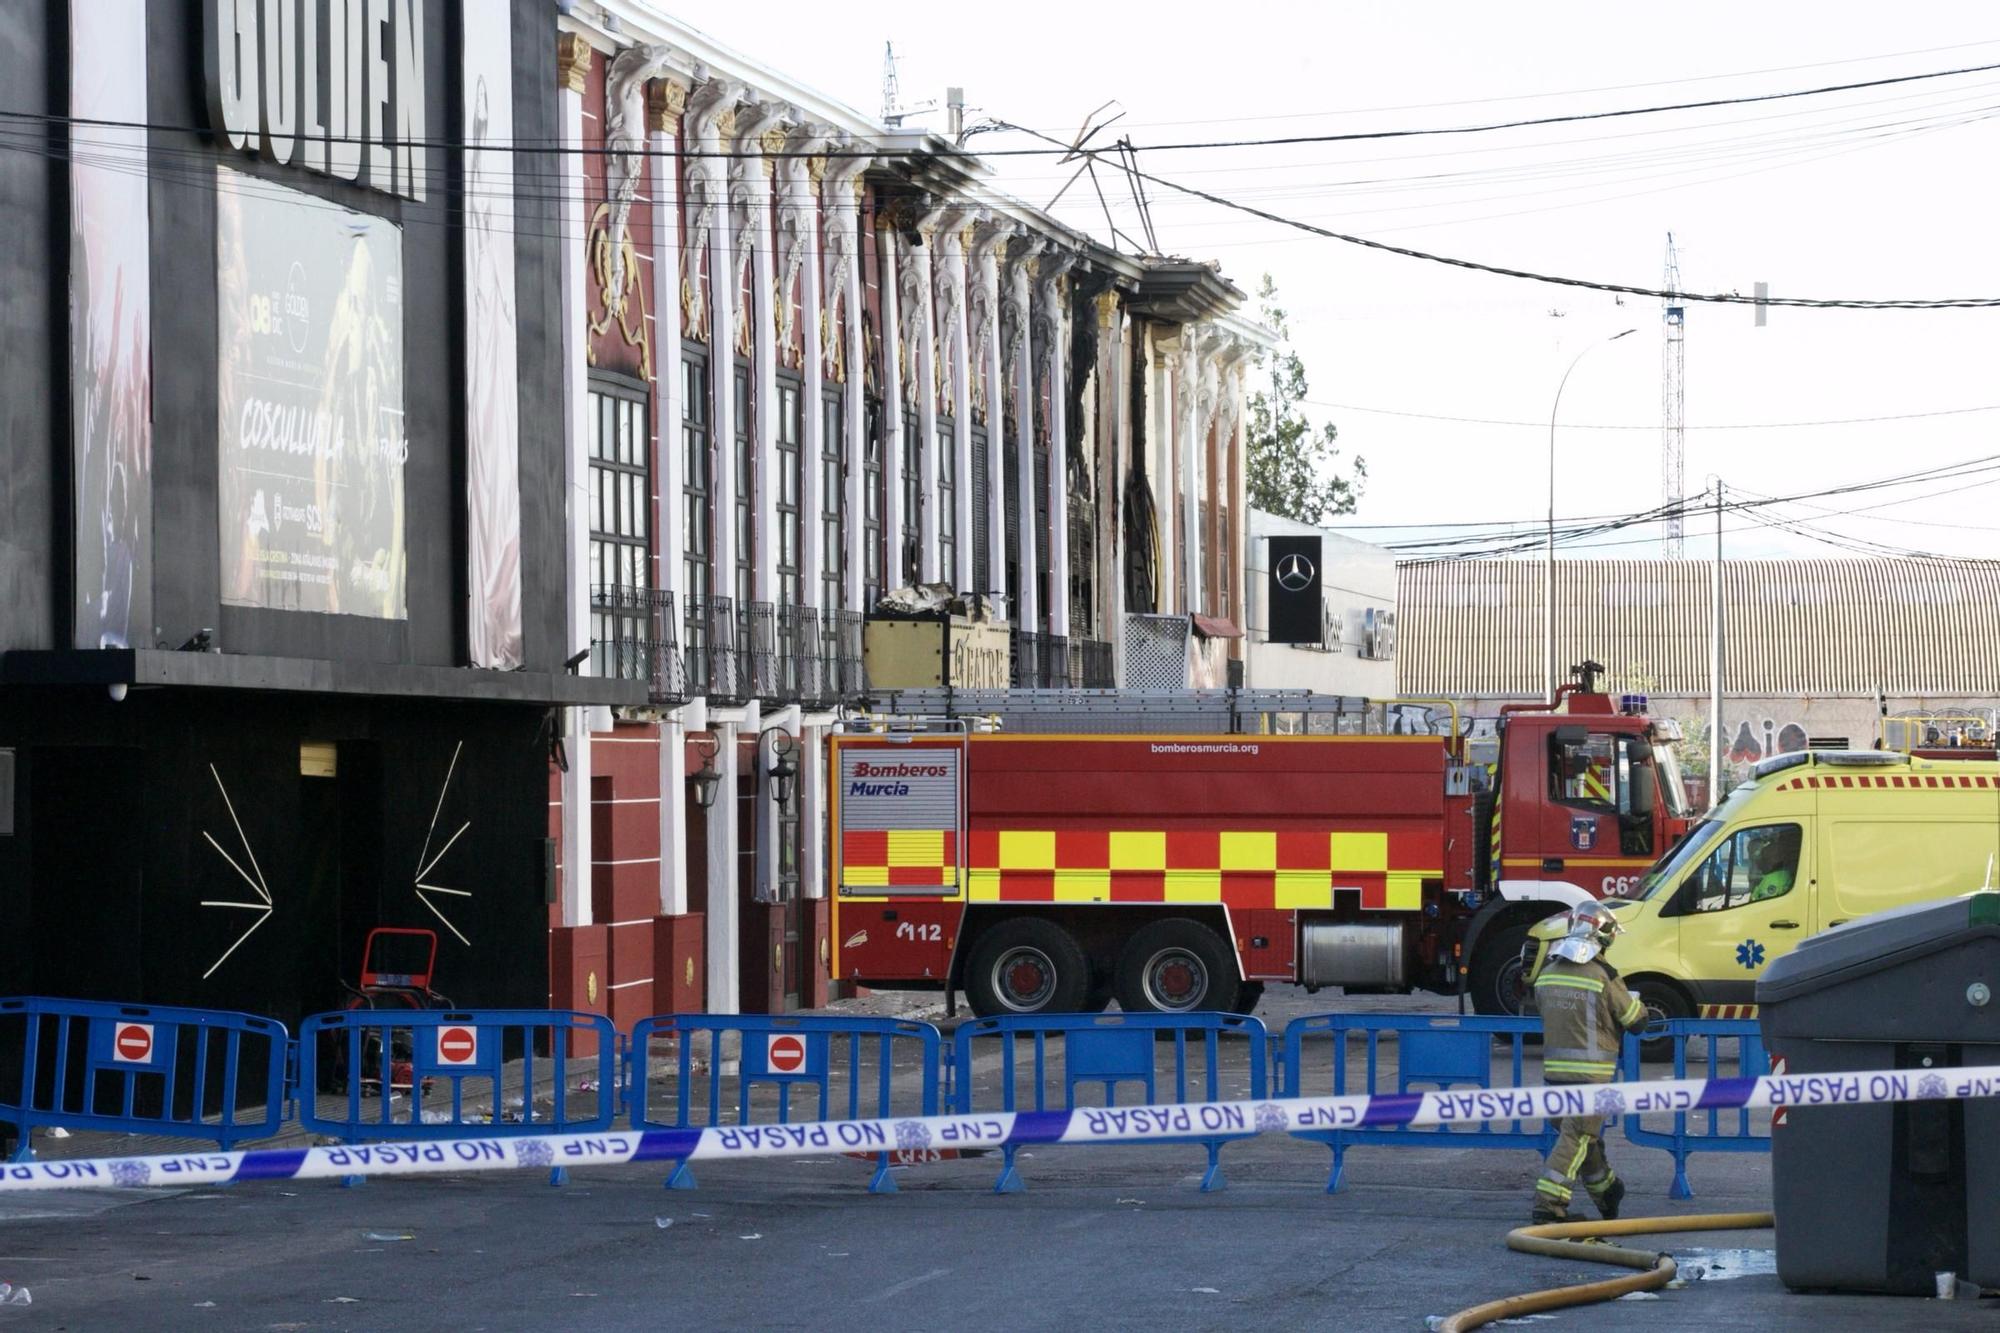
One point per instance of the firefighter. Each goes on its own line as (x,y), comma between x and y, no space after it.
(1586,1010)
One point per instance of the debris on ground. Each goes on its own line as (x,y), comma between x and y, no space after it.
(663,1222)
(390,1235)
(13,1295)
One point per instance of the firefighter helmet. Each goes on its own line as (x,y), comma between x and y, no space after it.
(1586,931)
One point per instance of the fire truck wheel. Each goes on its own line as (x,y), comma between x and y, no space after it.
(1498,983)
(1027,966)
(1247,997)
(1177,966)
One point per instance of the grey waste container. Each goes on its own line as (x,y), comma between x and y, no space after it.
(1882,1198)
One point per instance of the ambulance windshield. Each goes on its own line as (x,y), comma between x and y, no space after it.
(1667,870)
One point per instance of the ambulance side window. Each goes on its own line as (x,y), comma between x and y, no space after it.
(1585,772)
(1752,865)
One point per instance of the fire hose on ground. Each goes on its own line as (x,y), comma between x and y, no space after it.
(1580,1240)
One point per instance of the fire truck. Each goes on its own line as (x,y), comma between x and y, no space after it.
(1046,851)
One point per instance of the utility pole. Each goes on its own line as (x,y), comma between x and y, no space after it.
(1673,401)
(1715,663)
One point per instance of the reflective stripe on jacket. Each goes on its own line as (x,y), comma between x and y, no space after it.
(1585,1013)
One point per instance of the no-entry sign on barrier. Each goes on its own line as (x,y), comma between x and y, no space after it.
(132,1043)
(1136,1124)
(785,1053)
(458,1046)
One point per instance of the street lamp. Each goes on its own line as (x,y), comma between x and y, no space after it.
(1549,580)
(708,777)
(784,765)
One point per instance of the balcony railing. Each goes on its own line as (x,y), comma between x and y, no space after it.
(729,653)
(844,632)
(711,651)
(1092,665)
(639,640)
(1025,669)
(756,652)
(1054,662)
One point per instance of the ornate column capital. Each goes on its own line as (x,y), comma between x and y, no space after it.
(573,56)
(666,99)
(1107,308)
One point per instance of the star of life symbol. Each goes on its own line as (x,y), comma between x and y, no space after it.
(1609,1103)
(1750,954)
(1295,573)
(911,1134)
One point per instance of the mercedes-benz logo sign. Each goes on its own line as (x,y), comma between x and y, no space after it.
(1295,573)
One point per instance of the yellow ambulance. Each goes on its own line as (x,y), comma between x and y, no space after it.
(1814,839)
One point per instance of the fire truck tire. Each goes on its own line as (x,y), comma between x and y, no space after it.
(1497,980)
(1177,966)
(1248,995)
(1027,966)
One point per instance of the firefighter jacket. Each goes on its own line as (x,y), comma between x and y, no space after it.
(1586,1011)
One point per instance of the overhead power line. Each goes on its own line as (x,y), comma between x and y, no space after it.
(1277,141)
(1652,425)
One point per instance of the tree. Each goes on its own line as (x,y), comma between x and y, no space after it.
(1293,469)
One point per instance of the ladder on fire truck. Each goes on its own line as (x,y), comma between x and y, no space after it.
(1141,712)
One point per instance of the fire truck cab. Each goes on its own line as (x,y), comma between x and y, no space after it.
(1052,851)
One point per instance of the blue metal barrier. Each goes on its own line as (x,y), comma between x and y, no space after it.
(1110,1051)
(1716,1129)
(136,1069)
(773,1056)
(1437,1051)
(403,1074)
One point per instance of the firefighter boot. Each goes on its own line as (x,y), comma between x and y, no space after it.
(1607,1195)
(1547,1211)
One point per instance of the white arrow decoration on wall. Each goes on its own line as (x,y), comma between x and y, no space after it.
(257,885)
(427,863)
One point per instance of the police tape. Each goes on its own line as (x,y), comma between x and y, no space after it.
(1174,1122)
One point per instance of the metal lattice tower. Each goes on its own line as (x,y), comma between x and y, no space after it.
(891,93)
(1673,402)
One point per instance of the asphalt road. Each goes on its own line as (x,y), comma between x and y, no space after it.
(1102,1238)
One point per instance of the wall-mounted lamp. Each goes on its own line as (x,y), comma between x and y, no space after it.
(708,777)
(784,769)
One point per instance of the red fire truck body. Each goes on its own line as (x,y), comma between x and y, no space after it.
(1055,872)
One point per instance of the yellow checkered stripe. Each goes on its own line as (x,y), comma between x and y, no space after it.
(899,858)
(1245,868)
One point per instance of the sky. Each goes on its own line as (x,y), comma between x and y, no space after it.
(1877,193)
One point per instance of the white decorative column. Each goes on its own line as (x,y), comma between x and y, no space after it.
(1020,276)
(841,198)
(1053,297)
(1234,486)
(573,57)
(666,99)
(987,360)
(920,323)
(895,401)
(799,244)
(1187,424)
(954,347)
(711,115)
(1112,454)
(750,173)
